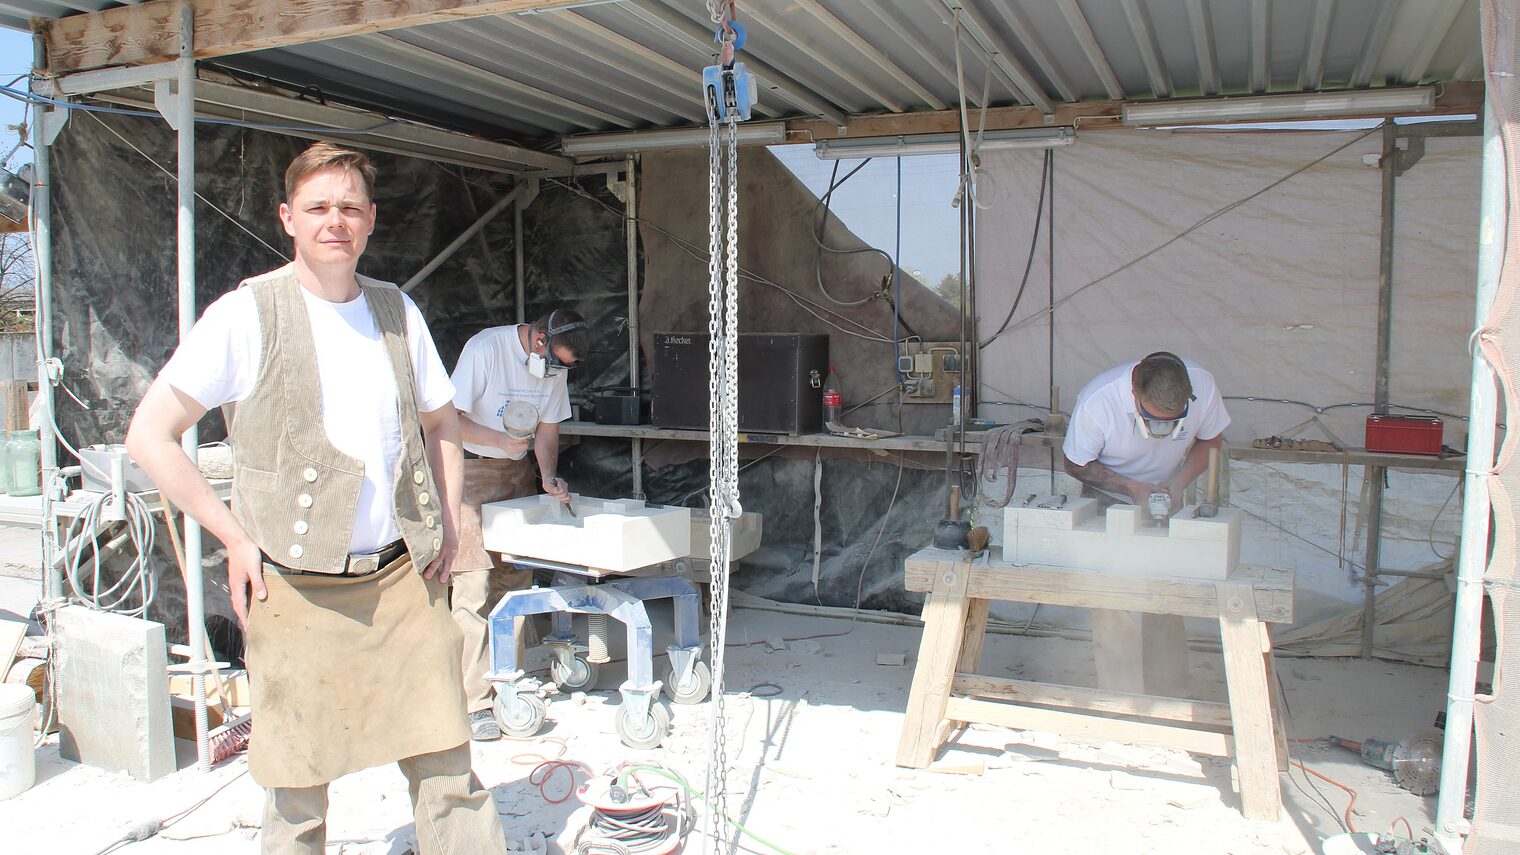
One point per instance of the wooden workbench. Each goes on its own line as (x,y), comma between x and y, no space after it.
(947,690)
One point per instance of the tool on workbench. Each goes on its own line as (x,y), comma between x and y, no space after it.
(952,532)
(1415,762)
(1209,507)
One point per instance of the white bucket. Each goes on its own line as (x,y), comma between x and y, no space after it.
(18,763)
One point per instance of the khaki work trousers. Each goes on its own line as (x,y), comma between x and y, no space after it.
(454,814)
(480,578)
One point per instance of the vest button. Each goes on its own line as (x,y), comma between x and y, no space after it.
(296,550)
(422,498)
(304,500)
(418,476)
(437,544)
(310,474)
(430,520)
(301,527)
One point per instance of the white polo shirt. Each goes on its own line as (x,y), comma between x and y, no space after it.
(1104,428)
(493,372)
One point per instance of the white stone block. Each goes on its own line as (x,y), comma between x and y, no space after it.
(1126,540)
(113,693)
(614,535)
(1073,514)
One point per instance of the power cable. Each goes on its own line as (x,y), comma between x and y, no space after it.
(817,234)
(1034,243)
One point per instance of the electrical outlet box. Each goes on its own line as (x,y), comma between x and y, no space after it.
(931,371)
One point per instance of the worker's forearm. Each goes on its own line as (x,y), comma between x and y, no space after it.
(1196,461)
(182,484)
(1095,474)
(476,434)
(446,458)
(546,449)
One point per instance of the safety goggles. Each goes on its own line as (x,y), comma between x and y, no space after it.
(1155,427)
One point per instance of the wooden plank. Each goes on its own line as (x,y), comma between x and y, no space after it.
(1086,727)
(1250,703)
(944,628)
(974,636)
(150,32)
(1065,586)
(17,405)
(1092,700)
(1274,689)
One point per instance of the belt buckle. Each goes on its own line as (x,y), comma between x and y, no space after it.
(363,565)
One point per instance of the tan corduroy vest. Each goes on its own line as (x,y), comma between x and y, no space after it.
(294,492)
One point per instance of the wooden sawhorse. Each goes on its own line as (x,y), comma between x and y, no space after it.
(947,690)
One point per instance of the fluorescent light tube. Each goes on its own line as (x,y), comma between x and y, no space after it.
(1255,108)
(766,133)
(907,145)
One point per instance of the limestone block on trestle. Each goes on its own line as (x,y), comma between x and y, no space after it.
(113,693)
(614,535)
(1038,522)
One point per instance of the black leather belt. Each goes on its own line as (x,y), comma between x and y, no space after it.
(358,564)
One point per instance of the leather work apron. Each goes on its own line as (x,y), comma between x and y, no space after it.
(487,480)
(349,672)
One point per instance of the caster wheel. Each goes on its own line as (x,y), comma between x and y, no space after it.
(523,718)
(648,733)
(580,675)
(696,687)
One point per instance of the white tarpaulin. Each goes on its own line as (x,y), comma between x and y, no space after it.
(1277,296)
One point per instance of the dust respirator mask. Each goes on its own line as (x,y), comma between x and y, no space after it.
(546,364)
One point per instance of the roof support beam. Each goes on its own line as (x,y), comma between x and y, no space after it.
(1083,31)
(373,132)
(825,59)
(1373,44)
(476,81)
(1035,46)
(695,35)
(150,32)
(1001,55)
(1419,64)
(1202,25)
(686,85)
(1313,71)
(869,51)
(915,42)
(1261,45)
(1150,51)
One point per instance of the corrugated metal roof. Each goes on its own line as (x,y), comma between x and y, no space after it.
(630,64)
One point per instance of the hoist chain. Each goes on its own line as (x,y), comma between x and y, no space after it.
(723,448)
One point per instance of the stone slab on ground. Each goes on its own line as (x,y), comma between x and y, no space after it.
(113,693)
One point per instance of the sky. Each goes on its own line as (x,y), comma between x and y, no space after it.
(867,205)
(15,60)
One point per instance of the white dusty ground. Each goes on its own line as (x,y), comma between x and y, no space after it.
(811,767)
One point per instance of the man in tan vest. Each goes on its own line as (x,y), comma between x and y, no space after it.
(342,527)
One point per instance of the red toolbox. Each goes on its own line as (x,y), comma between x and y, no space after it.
(1394,433)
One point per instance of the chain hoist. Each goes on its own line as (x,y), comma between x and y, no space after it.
(728,92)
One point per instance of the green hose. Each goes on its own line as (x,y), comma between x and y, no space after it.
(681,782)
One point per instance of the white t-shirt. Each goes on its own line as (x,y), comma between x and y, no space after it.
(493,372)
(218,363)
(1103,426)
